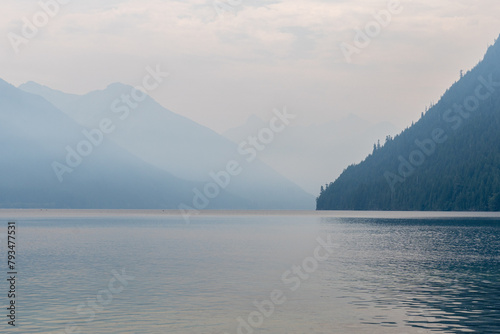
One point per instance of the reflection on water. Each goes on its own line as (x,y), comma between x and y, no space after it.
(385,276)
(444,274)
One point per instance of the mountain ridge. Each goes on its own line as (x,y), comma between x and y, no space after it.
(34,135)
(448,160)
(176,145)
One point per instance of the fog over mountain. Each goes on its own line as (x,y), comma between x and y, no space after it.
(197,158)
(310,155)
(35,134)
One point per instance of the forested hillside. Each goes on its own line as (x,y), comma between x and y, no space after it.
(448,160)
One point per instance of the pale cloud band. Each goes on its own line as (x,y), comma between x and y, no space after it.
(265,53)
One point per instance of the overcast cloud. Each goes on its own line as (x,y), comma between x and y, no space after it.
(263,55)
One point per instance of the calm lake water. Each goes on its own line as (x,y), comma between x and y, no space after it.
(151,272)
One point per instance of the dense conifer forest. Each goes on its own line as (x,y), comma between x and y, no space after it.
(448,160)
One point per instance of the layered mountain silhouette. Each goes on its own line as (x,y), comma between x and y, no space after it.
(79,151)
(448,160)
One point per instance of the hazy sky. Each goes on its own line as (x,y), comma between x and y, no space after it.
(257,56)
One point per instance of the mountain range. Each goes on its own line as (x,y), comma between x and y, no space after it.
(99,151)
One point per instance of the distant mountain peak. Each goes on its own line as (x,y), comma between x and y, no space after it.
(351,116)
(117,85)
(253,120)
(31,84)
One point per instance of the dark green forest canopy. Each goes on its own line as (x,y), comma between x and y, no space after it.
(448,160)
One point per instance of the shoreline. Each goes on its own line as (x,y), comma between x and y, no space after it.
(159,213)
